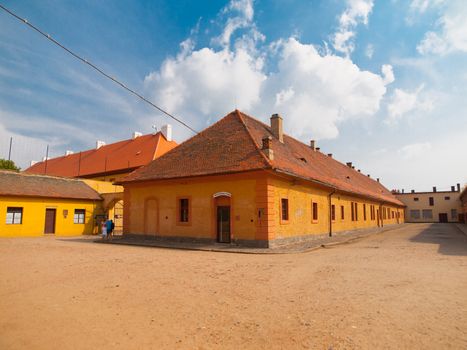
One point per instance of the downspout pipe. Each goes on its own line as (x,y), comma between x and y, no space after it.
(330,210)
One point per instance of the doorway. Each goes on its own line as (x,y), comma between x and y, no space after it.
(223,224)
(443,217)
(50,215)
(151,217)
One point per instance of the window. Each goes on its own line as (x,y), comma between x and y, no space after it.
(184,210)
(79,216)
(431,201)
(415,199)
(427,214)
(392,214)
(389,213)
(342,213)
(352,211)
(364,212)
(284,209)
(384,213)
(14,215)
(315,211)
(372,212)
(333,212)
(454,214)
(356,211)
(354,207)
(447,198)
(415,214)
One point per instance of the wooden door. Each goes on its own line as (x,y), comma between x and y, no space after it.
(223,224)
(50,220)
(151,217)
(443,217)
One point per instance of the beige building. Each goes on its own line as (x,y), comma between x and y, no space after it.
(435,206)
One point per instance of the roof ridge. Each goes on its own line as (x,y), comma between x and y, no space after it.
(266,159)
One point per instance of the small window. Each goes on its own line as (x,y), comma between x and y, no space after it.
(333,212)
(79,216)
(427,214)
(356,211)
(431,201)
(453,214)
(392,214)
(364,212)
(447,198)
(315,211)
(415,214)
(14,215)
(415,199)
(352,211)
(342,213)
(285,209)
(184,210)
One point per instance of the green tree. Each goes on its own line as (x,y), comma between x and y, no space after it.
(8,165)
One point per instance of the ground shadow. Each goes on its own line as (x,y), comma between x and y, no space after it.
(451,240)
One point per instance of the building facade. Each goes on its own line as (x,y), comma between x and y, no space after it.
(434,206)
(246,182)
(463,199)
(34,205)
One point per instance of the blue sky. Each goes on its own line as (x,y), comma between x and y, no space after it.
(378,83)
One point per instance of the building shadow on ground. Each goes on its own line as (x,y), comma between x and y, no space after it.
(450,239)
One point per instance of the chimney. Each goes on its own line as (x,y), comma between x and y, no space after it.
(434,188)
(136,134)
(33,162)
(458,187)
(166,130)
(276,127)
(267,147)
(313,144)
(413,191)
(330,155)
(68,152)
(453,188)
(377,179)
(349,164)
(99,144)
(402,190)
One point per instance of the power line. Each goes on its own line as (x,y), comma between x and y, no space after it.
(85,61)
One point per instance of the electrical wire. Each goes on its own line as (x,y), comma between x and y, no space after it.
(99,70)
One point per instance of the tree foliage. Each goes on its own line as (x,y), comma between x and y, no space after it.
(8,165)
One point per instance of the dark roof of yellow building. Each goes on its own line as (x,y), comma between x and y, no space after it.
(233,144)
(26,185)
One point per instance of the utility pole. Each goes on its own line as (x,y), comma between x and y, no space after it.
(46,158)
(9,152)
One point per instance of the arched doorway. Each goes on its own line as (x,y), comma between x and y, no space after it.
(151,217)
(222,216)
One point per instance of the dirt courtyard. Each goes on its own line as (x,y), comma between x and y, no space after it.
(401,289)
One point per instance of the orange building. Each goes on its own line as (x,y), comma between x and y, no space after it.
(246,182)
(109,163)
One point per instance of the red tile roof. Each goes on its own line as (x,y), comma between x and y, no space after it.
(117,157)
(20,184)
(233,144)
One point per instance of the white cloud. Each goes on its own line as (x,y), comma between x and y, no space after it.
(241,12)
(422,5)
(357,11)
(452,35)
(388,74)
(313,91)
(404,102)
(414,150)
(369,51)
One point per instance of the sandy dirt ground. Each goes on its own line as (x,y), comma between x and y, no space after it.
(401,289)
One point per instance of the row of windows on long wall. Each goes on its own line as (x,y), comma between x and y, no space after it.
(14,216)
(428,214)
(387,213)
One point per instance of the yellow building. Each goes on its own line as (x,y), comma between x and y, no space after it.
(245,182)
(435,206)
(34,205)
(463,198)
(109,163)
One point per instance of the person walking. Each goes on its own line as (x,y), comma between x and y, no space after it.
(108,225)
(104,229)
